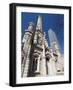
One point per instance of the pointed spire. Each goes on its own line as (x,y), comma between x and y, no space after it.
(39,23)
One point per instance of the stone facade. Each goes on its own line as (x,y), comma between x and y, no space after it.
(38,59)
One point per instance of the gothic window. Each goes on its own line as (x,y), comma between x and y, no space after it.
(47,60)
(36,65)
(46,68)
(36,60)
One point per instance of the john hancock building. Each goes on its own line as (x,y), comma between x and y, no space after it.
(38,58)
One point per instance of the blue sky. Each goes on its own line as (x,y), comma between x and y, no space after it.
(53,21)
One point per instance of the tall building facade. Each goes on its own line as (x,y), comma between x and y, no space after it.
(38,59)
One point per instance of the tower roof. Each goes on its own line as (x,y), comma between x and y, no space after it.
(39,23)
(31,26)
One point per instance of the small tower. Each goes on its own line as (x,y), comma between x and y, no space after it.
(26,47)
(39,50)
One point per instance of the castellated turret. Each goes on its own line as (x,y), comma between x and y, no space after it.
(26,47)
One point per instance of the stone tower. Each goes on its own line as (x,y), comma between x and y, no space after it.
(39,50)
(26,48)
(38,59)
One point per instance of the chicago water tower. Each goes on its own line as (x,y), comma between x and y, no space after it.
(38,58)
